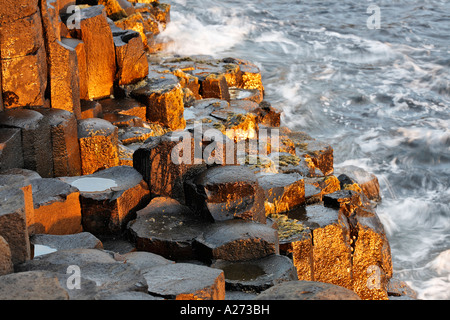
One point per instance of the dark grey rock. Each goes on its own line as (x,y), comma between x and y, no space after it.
(307,290)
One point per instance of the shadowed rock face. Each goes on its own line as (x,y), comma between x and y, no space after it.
(227,192)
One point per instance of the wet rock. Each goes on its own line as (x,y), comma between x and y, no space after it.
(326,185)
(238,240)
(372,262)
(248,76)
(331,259)
(6,265)
(167,161)
(307,290)
(320,153)
(98,141)
(214,86)
(22,48)
(132,135)
(65,146)
(185,281)
(91,109)
(167,228)
(145,260)
(257,275)
(128,295)
(80,50)
(163,97)
(36,139)
(11,154)
(398,289)
(368,182)
(348,200)
(132,64)
(283,191)
(82,240)
(98,266)
(122,120)
(125,106)
(100,52)
(64,81)
(113,9)
(134,22)
(200,110)
(110,198)
(32,285)
(227,192)
(13,223)
(56,207)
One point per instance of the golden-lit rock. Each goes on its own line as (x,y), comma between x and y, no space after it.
(100,53)
(134,22)
(327,185)
(248,77)
(283,191)
(56,207)
(113,9)
(80,51)
(132,64)
(125,106)
(367,182)
(64,81)
(215,86)
(372,263)
(22,48)
(320,153)
(186,281)
(110,198)
(98,140)
(330,260)
(91,109)
(163,97)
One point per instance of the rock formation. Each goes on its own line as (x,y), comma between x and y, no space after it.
(131,173)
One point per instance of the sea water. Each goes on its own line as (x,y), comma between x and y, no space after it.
(379,93)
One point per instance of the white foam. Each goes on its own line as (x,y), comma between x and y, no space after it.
(91,184)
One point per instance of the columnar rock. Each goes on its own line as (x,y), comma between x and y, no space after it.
(284,192)
(163,97)
(64,81)
(330,260)
(256,275)
(24,183)
(98,140)
(125,106)
(13,223)
(368,182)
(227,192)
(372,264)
(131,59)
(186,281)
(36,138)
(82,240)
(32,285)
(80,50)
(167,161)
(6,265)
(91,109)
(22,48)
(65,145)
(110,198)
(238,240)
(307,290)
(167,228)
(11,154)
(100,54)
(56,207)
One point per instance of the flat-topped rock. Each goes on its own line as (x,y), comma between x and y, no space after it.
(283,191)
(11,154)
(98,140)
(238,240)
(256,275)
(307,290)
(367,181)
(186,281)
(227,192)
(108,274)
(167,228)
(13,223)
(125,106)
(32,285)
(56,207)
(110,198)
